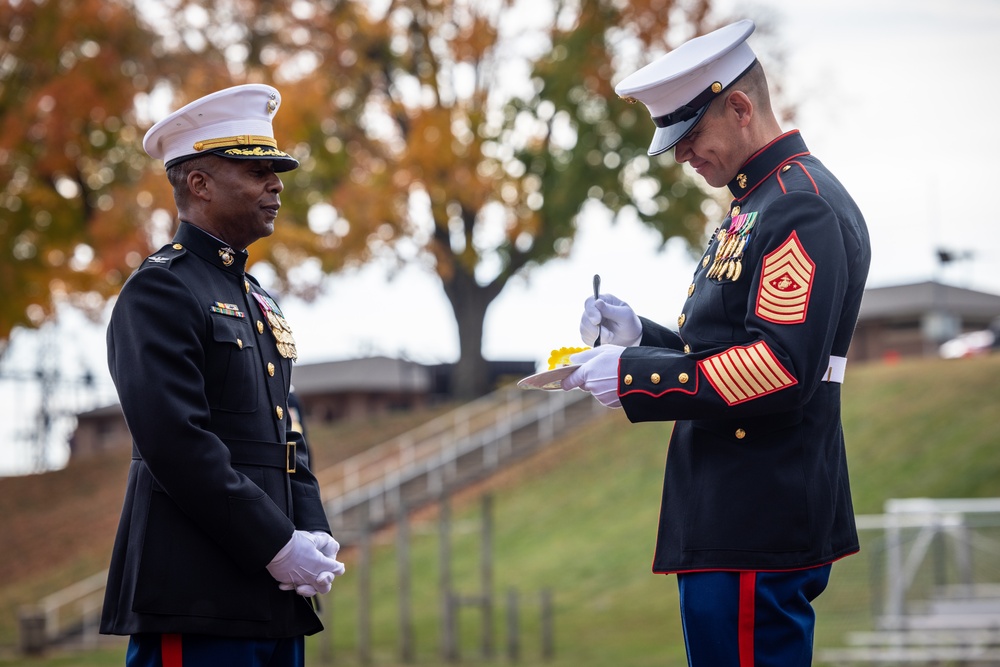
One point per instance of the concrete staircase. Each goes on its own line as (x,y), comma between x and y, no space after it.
(446,454)
(450,452)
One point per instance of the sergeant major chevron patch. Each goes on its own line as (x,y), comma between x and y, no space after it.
(785,284)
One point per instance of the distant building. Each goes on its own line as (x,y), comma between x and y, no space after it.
(327,392)
(336,390)
(913,320)
(99,430)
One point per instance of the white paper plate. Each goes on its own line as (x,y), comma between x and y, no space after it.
(548,380)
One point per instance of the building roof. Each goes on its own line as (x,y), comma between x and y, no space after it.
(368,374)
(920,298)
(113,410)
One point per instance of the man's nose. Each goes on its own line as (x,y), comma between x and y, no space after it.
(276,185)
(682,151)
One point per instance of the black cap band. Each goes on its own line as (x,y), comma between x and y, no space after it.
(691,109)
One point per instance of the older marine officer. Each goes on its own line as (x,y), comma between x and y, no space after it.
(756,502)
(222,535)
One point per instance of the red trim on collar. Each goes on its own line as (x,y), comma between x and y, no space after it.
(770,173)
(769,144)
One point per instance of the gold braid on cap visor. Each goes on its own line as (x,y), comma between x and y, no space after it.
(239,140)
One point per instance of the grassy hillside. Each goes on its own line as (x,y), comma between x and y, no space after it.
(579,519)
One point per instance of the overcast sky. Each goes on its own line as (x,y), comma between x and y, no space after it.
(898,97)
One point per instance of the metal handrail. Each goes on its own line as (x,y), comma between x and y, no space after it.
(434,445)
(396,474)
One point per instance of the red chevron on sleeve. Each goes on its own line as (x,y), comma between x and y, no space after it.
(785,283)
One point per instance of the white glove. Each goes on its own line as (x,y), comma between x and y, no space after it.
(301,565)
(326,544)
(329,548)
(598,373)
(611,318)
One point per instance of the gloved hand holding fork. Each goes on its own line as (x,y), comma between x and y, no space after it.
(607,319)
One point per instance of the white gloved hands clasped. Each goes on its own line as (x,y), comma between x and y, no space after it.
(307,563)
(612,319)
(598,373)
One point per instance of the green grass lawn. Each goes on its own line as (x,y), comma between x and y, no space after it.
(579,520)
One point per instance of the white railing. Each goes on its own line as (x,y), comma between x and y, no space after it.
(940,577)
(487,424)
(75,609)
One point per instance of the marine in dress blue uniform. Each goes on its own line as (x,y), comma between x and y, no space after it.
(219,484)
(756,501)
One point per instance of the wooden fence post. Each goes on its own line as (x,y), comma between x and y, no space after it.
(449,652)
(326,640)
(548,639)
(406,652)
(364,589)
(513,629)
(486,577)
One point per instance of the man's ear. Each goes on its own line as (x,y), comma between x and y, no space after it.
(740,104)
(200,184)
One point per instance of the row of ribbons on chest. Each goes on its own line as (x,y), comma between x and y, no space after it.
(728,261)
(279,326)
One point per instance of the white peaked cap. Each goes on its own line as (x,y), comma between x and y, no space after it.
(678,86)
(233,123)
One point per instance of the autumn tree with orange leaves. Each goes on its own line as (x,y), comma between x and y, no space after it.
(464,135)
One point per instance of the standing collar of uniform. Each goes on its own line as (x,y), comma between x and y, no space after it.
(766,161)
(214,251)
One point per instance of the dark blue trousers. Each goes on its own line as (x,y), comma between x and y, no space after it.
(154,650)
(750,619)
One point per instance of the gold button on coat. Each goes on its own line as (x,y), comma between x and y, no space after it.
(680,320)
(270,369)
(239,343)
(655,378)
(279,412)
(786,168)
(740,434)
(177,246)
(627,379)
(736,210)
(260,327)
(687,349)
(246,285)
(683,378)
(704,261)
(690,289)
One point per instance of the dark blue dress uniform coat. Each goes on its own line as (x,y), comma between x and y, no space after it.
(756,473)
(209,499)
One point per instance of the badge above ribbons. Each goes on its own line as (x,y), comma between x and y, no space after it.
(279,326)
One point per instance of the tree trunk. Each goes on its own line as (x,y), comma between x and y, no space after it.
(470,377)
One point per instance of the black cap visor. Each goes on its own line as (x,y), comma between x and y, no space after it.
(282,160)
(666,138)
